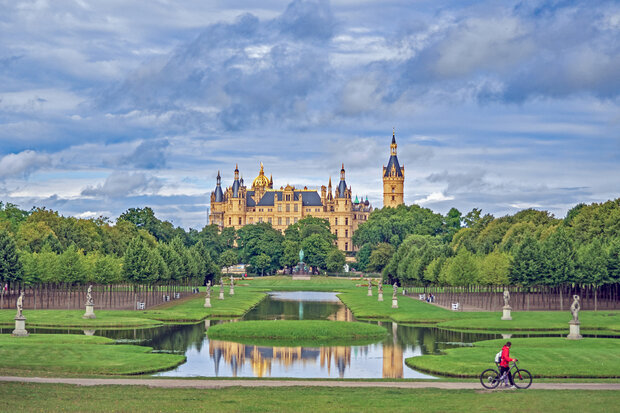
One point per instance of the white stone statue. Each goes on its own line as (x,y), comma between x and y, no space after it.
(222,283)
(89,297)
(394,291)
(232,282)
(506,297)
(20,305)
(380,288)
(209,289)
(574,308)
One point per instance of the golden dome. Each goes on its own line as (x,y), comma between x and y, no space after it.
(261,181)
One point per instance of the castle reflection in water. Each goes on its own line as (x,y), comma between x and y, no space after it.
(262,358)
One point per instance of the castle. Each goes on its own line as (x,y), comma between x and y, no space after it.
(237,205)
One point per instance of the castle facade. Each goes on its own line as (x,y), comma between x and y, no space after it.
(237,205)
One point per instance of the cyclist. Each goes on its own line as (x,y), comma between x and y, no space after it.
(504,365)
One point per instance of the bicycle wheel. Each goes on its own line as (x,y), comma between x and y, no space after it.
(522,379)
(489,378)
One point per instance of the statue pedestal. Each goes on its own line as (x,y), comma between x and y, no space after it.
(208,302)
(573,333)
(380,297)
(506,315)
(369,293)
(221,297)
(232,291)
(89,311)
(20,327)
(394,303)
(89,332)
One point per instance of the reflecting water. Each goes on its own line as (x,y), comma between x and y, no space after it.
(214,358)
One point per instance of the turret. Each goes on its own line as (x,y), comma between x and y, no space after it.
(236,184)
(219,196)
(393,179)
(342,186)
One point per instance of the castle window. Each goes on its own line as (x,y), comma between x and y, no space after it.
(296,219)
(295,208)
(269,209)
(288,221)
(336,233)
(269,220)
(346,233)
(239,220)
(346,221)
(279,208)
(393,189)
(288,207)
(229,221)
(335,221)
(288,197)
(280,221)
(260,219)
(354,216)
(392,197)
(346,246)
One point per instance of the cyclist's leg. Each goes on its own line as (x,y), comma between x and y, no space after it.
(512,382)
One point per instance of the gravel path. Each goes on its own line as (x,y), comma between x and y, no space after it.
(217,384)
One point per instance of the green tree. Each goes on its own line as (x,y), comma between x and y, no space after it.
(10,265)
(228,259)
(363,257)
(592,260)
(335,261)
(495,268)
(380,257)
(526,266)
(462,269)
(557,258)
(316,248)
(136,258)
(73,267)
(261,263)
(290,254)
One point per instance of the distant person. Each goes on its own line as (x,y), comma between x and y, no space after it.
(504,365)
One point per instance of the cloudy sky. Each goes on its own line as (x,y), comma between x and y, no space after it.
(108,105)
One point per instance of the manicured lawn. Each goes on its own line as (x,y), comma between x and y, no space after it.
(286,283)
(67,354)
(543,357)
(67,398)
(309,332)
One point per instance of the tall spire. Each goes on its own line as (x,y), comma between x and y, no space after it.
(393,144)
(236,172)
(342,173)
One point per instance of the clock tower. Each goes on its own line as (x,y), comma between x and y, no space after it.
(393,179)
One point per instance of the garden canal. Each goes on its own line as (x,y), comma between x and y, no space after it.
(215,358)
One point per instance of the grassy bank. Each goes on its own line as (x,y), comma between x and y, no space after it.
(67,354)
(67,398)
(292,331)
(543,357)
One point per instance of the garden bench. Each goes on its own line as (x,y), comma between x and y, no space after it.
(140,306)
(177,296)
(456,307)
(422,296)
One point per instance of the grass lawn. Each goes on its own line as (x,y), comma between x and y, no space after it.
(27,397)
(306,332)
(317,283)
(68,354)
(543,357)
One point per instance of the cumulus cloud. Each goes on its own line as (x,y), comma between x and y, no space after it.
(124,184)
(460,182)
(22,164)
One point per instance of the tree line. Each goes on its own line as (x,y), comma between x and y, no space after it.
(418,247)
(41,246)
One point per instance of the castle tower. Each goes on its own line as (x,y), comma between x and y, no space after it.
(393,179)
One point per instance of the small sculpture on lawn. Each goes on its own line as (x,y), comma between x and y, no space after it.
(20,305)
(209,289)
(506,297)
(394,291)
(89,297)
(369,287)
(574,308)
(301,255)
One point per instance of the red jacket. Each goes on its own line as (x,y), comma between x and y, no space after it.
(505,357)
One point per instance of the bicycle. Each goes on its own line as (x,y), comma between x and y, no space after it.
(490,378)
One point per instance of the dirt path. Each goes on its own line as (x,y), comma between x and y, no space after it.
(217,384)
